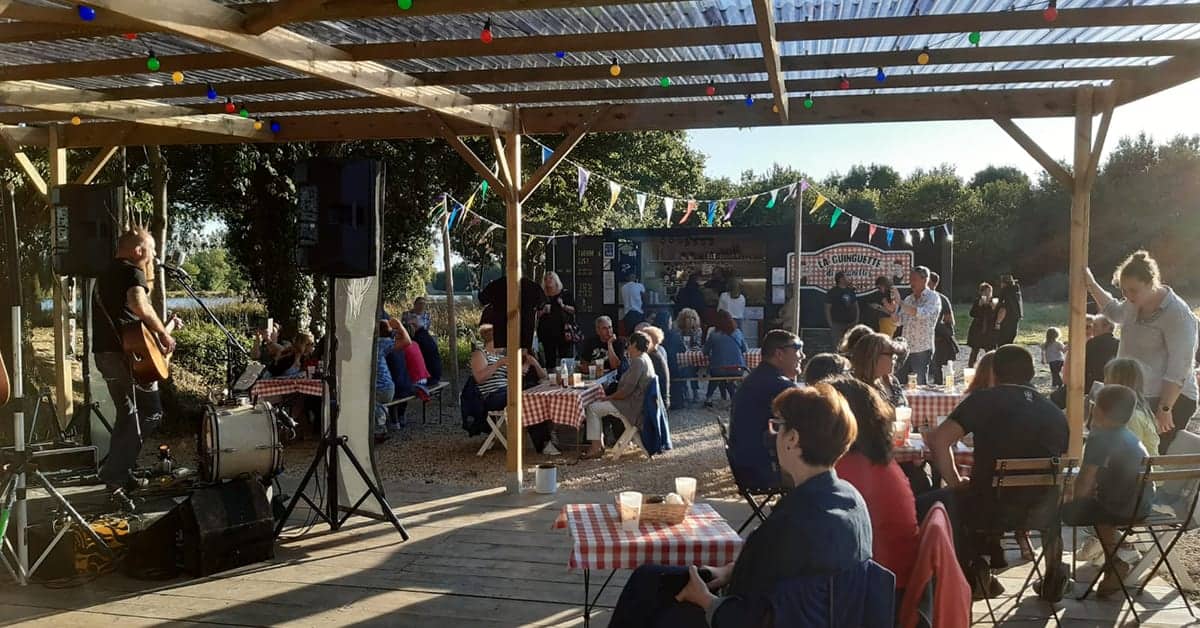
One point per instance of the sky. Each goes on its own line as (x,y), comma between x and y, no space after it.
(969,145)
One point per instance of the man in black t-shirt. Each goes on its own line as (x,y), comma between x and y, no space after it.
(122,297)
(841,307)
(605,345)
(1011,420)
(494,298)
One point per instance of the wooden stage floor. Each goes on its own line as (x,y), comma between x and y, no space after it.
(476,558)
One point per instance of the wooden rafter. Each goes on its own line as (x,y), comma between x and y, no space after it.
(560,153)
(1053,167)
(466,153)
(764,19)
(97,164)
(1107,101)
(278,14)
(1181,69)
(216,24)
(27,166)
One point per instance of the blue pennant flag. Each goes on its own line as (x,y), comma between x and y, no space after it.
(891,234)
(546,153)
(454,215)
(712,211)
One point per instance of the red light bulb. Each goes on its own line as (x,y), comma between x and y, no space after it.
(711,90)
(229,106)
(845,84)
(486,34)
(1051,12)
(130,36)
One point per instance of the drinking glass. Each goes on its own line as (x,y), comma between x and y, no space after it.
(631,509)
(686,488)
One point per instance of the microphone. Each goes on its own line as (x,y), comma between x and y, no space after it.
(170,268)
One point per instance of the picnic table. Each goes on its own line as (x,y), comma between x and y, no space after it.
(287,385)
(930,402)
(697,358)
(547,402)
(599,542)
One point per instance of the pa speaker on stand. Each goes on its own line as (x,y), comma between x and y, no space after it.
(340,202)
(85,227)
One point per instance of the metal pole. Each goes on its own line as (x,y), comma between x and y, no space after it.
(453,331)
(799,243)
(20,513)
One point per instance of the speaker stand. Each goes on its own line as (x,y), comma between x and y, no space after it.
(333,445)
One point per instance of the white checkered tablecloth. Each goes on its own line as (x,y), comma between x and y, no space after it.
(697,358)
(286,386)
(704,538)
(928,405)
(564,406)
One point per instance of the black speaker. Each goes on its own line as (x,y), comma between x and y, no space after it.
(340,203)
(85,227)
(226,526)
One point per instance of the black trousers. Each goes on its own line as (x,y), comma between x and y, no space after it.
(555,350)
(648,601)
(1182,413)
(139,413)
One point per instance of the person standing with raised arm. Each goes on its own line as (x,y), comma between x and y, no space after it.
(918,314)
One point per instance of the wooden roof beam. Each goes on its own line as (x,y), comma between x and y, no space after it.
(764,18)
(1163,76)
(218,25)
(1053,167)
(27,166)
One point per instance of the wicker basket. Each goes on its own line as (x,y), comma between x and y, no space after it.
(655,510)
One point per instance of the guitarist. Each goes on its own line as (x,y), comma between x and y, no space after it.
(122,297)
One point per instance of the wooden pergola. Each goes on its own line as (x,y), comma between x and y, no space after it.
(330,70)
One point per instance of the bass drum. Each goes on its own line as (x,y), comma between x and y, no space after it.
(237,441)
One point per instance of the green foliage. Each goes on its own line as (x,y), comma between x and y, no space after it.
(211,271)
(201,349)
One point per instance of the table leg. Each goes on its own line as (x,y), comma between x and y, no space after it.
(589,603)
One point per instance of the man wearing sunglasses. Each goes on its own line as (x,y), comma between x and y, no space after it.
(753,464)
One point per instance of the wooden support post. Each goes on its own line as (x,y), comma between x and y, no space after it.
(64,394)
(453,331)
(158,226)
(1080,224)
(513,231)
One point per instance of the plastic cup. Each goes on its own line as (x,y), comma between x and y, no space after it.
(968,376)
(912,381)
(686,488)
(902,426)
(630,506)
(592,370)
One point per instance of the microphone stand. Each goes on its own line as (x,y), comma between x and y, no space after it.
(181,277)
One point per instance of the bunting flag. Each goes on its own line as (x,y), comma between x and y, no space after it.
(691,207)
(614,190)
(529,243)
(854,222)
(932,235)
(920,235)
(949,236)
(641,204)
(908,239)
(483,190)
(729,207)
(470,200)
(803,185)
(547,152)
(871,232)
(458,207)
(712,212)
(487,232)
(752,199)
(837,213)
(817,205)
(668,205)
(771,203)
(891,234)
(791,192)
(583,181)
(439,210)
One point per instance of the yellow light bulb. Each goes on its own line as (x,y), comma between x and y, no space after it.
(614,70)
(923,58)
(177,77)
(76,121)
(258,125)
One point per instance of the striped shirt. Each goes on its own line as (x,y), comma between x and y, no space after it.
(498,380)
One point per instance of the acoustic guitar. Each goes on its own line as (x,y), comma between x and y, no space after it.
(4,394)
(149,362)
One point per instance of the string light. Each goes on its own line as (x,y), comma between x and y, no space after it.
(152,62)
(774,108)
(808,102)
(76,121)
(923,58)
(275,126)
(844,83)
(561,54)
(1051,12)
(211,93)
(665,81)
(615,68)
(710,90)
(245,113)
(258,125)
(177,77)
(404,5)
(975,37)
(880,76)
(85,12)
(749,100)
(485,35)
(130,36)
(229,106)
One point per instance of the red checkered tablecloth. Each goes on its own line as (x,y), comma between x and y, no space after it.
(565,406)
(915,451)
(697,358)
(286,386)
(704,538)
(927,405)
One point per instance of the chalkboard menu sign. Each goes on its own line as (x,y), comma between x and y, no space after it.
(589,288)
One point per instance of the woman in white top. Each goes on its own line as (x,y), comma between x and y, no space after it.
(733,301)
(1158,329)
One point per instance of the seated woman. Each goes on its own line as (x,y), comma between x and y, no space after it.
(726,351)
(627,402)
(658,357)
(821,527)
(685,336)
(430,355)
(870,468)
(384,388)
(487,388)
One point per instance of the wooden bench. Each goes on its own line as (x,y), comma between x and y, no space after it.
(434,391)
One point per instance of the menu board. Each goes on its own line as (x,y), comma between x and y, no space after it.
(588,275)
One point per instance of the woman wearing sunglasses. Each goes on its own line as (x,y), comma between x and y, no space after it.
(820,527)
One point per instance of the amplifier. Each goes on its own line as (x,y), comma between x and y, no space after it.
(226,526)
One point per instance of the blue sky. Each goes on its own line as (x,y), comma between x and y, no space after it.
(906,146)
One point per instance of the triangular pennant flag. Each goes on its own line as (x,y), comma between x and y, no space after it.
(804,185)
(947,228)
(908,237)
(712,212)
(871,232)
(791,192)
(487,233)
(949,236)
(837,213)
(439,210)
(891,234)
(691,207)
(483,189)
(470,200)
(458,207)
(932,235)
(920,235)
(817,205)
(546,153)
(529,243)
(614,190)
(752,199)
(771,203)
(668,206)
(583,181)
(854,222)
(729,207)
(641,203)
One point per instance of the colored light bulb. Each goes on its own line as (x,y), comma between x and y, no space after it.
(275,126)
(711,90)
(85,12)
(923,58)
(880,75)
(808,102)
(404,4)
(975,37)
(152,63)
(177,77)
(211,93)
(485,35)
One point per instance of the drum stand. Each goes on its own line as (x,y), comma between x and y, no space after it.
(333,445)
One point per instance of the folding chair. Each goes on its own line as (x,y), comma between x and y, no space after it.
(1179,476)
(1039,483)
(496,419)
(759,499)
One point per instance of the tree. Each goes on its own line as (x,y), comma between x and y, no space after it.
(999,173)
(873,177)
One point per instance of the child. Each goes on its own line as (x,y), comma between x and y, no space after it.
(1128,372)
(1109,482)
(1053,353)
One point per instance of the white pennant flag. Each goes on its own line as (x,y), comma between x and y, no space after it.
(792,194)
(641,203)
(668,205)
(908,236)
(854,222)
(921,235)
(614,190)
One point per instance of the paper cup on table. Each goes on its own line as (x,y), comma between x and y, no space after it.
(629,503)
(902,426)
(686,488)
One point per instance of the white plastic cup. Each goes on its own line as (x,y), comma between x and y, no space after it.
(592,371)
(630,507)
(912,381)
(902,426)
(904,413)
(546,479)
(968,376)
(686,488)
